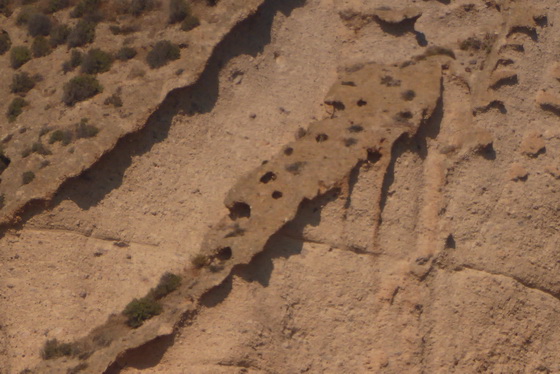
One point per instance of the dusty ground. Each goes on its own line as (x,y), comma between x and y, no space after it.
(458,275)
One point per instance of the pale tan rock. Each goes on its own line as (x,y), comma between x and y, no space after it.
(397,15)
(532,144)
(517,172)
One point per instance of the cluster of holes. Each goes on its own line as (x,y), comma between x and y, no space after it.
(321,138)
(389,81)
(239,209)
(270,176)
(277,195)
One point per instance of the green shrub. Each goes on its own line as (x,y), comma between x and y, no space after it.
(56,5)
(55,349)
(199,261)
(40,149)
(19,56)
(123,30)
(40,47)
(24,14)
(65,137)
(5,8)
(80,88)
(5,42)
(114,100)
(85,7)
(26,178)
(59,35)
(168,283)
(16,108)
(163,52)
(21,83)
(75,61)
(96,61)
(39,24)
(137,7)
(178,10)
(84,130)
(189,23)
(82,34)
(126,53)
(140,310)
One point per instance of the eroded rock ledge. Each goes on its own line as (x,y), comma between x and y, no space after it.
(372,106)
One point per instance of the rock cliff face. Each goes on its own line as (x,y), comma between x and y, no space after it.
(342,187)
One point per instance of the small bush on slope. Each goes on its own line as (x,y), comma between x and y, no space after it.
(80,88)
(82,34)
(5,42)
(163,52)
(16,108)
(140,310)
(96,61)
(22,83)
(19,56)
(40,47)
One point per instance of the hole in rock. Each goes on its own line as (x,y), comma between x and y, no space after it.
(373,155)
(361,102)
(239,210)
(276,195)
(224,254)
(270,176)
(322,138)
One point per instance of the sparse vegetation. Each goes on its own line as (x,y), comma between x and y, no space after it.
(24,14)
(5,42)
(40,149)
(59,35)
(137,7)
(40,47)
(123,30)
(65,137)
(21,83)
(178,10)
(163,52)
(82,34)
(84,130)
(19,56)
(114,100)
(199,261)
(76,58)
(85,8)
(140,310)
(39,24)
(5,8)
(2,200)
(56,5)
(81,88)
(26,178)
(189,23)
(16,108)
(126,53)
(55,349)
(96,61)
(168,283)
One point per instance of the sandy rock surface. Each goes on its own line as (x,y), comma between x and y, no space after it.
(436,252)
